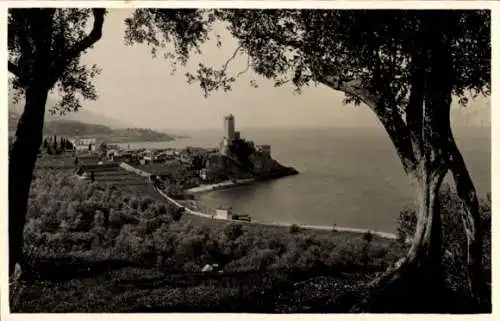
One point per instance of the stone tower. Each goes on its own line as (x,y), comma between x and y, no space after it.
(229,127)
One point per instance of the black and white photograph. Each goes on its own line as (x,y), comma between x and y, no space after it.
(263,158)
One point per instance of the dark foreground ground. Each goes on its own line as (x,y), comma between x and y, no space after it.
(64,286)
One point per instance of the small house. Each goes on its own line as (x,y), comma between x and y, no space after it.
(85,144)
(147,156)
(208,174)
(110,154)
(223,213)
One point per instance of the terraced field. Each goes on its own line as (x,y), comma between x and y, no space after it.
(64,161)
(160,168)
(56,162)
(127,181)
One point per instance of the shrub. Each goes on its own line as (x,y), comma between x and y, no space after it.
(454,238)
(294,228)
(233,231)
(367,236)
(70,217)
(176,213)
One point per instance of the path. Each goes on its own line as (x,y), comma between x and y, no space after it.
(384,235)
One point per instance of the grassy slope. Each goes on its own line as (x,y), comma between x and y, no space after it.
(78,283)
(132,289)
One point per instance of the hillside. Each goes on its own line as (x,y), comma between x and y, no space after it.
(70,128)
(84,116)
(102,132)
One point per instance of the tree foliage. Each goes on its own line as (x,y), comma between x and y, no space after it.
(304,47)
(45,46)
(68,217)
(69,39)
(405,65)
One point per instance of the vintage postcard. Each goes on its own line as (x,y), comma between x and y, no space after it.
(300,157)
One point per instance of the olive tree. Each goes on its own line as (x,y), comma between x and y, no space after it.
(406,66)
(45,46)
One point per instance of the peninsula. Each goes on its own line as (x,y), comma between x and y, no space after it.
(235,161)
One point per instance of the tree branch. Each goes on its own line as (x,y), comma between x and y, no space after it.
(92,37)
(224,67)
(390,119)
(246,69)
(414,112)
(392,122)
(14,69)
(72,53)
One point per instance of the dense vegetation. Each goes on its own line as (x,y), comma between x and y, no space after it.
(54,145)
(454,241)
(77,229)
(404,65)
(71,217)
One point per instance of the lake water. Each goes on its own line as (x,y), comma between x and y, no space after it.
(348,177)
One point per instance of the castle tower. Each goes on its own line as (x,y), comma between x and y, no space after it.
(229,127)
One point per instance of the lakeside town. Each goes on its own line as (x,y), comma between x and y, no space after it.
(95,226)
(179,173)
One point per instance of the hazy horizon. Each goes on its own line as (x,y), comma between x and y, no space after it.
(139,90)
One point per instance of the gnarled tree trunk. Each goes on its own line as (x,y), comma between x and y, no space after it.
(42,63)
(471,219)
(421,268)
(34,78)
(425,252)
(427,151)
(22,159)
(428,120)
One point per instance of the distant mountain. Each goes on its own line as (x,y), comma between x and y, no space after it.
(84,116)
(86,123)
(101,132)
(75,128)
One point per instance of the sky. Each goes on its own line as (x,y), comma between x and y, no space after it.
(139,90)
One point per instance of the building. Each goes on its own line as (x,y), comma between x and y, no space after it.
(110,154)
(264,149)
(207,174)
(230,135)
(223,213)
(224,146)
(84,143)
(127,157)
(229,127)
(164,156)
(147,156)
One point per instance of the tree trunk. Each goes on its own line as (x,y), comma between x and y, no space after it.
(426,249)
(417,279)
(420,270)
(471,219)
(22,161)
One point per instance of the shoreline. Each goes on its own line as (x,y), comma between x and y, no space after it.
(220,186)
(384,235)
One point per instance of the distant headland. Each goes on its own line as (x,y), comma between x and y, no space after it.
(242,159)
(235,161)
